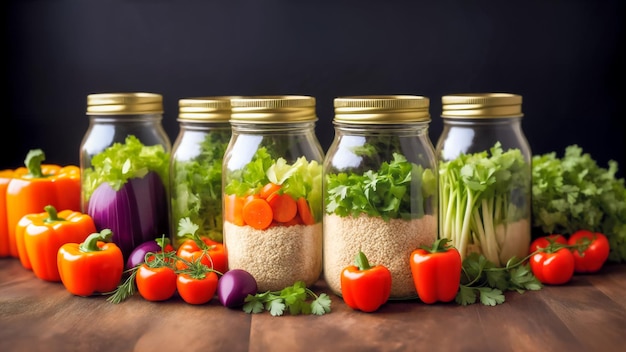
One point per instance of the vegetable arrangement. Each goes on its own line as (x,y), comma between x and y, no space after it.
(482,196)
(269,192)
(197,186)
(27,190)
(399,189)
(40,235)
(573,192)
(125,190)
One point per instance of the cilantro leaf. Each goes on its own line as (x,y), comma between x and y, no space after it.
(294,299)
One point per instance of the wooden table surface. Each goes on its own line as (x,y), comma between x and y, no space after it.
(587,314)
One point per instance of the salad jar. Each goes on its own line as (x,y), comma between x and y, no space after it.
(380,187)
(196,166)
(272,183)
(485,176)
(124,161)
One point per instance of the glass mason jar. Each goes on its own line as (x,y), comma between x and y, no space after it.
(124,161)
(485,176)
(272,183)
(196,165)
(380,187)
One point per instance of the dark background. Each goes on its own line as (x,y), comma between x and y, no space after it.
(566,58)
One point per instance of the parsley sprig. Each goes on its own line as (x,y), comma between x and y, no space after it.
(293,299)
(483,280)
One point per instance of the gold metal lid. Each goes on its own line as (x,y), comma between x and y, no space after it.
(273,109)
(382,109)
(205,109)
(124,103)
(481,105)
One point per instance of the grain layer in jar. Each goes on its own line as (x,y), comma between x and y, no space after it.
(485,176)
(196,166)
(124,161)
(380,187)
(272,184)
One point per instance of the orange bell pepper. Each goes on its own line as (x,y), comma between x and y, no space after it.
(39,237)
(95,265)
(35,186)
(5,177)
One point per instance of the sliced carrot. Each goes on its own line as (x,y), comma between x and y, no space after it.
(283,206)
(269,189)
(257,213)
(305,211)
(233,209)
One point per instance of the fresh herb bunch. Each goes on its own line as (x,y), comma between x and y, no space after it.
(574,192)
(483,280)
(398,189)
(480,194)
(197,186)
(294,299)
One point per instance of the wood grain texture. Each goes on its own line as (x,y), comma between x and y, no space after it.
(588,314)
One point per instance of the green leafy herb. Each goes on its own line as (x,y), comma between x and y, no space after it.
(301,179)
(574,192)
(123,161)
(483,280)
(480,194)
(399,189)
(197,186)
(294,299)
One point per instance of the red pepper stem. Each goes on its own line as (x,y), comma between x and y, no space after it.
(361,262)
(33,161)
(91,243)
(52,214)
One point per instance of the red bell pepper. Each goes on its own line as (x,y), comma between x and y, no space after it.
(365,287)
(594,252)
(95,265)
(436,272)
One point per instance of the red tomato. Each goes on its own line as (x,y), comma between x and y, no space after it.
(212,253)
(156,284)
(594,256)
(544,242)
(195,290)
(553,268)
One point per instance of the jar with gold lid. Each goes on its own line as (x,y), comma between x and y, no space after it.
(124,161)
(485,176)
(196,165)
(272,184)
(380,187)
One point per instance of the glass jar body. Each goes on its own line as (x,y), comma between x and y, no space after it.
(261,163)
(380,197)
(124,174)
(196,177)
(485,187)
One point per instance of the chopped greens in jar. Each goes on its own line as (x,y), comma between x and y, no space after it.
(197,186)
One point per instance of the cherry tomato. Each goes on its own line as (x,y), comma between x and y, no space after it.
(197,289)
(591,259)
(544,242)
(212,253)
(156,284)
(553,267)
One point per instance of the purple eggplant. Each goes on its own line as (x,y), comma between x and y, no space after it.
(234,286)
(138,255)
(137,213)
